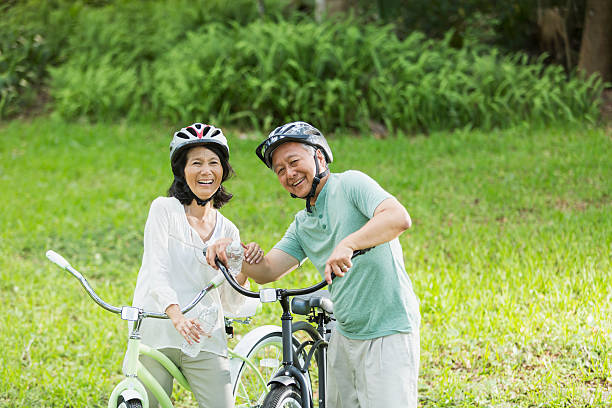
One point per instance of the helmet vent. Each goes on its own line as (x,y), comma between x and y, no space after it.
(199,134)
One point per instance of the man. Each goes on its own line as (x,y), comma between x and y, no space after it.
(373,354)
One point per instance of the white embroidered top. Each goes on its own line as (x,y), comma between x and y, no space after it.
(174,270)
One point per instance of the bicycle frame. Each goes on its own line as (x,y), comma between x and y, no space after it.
(137,378)
(137,375)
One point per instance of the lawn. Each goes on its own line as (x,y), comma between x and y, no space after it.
(509,253)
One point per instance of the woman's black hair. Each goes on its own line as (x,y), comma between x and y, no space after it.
(181,190)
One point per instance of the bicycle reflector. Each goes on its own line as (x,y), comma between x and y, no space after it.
(130,313)
(267,295)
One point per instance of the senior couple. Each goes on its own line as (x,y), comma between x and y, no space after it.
(373,357)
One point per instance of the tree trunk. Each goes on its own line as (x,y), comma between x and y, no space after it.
(331,7)
(596,47)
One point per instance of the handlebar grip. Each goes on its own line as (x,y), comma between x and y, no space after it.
(360,252)
(58,259)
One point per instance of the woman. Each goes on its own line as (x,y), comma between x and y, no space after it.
(174,268)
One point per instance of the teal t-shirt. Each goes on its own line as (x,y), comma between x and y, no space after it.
(375,298)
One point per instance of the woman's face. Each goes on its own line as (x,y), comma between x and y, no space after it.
(203,171)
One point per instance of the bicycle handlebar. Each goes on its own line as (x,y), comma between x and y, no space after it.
(64,264)
(264,294)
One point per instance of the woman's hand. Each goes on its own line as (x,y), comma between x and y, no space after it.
(253,253)
(217,249)
(190,329)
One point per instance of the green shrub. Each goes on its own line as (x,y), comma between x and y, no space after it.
(179,61)
(32,36)
(37,35)
(338,74)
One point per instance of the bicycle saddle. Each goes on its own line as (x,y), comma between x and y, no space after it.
(303,304)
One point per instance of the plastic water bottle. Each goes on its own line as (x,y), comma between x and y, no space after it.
(207,318)
(235,255)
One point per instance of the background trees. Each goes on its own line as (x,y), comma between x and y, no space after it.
(37,36)
(596,46)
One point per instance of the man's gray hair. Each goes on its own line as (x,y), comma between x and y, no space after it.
(309,148)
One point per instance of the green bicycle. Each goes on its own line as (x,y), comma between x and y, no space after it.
(253,362)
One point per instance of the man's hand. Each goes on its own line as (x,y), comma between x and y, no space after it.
(339,262)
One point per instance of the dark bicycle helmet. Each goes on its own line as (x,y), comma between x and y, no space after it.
(300,132)
(198,134)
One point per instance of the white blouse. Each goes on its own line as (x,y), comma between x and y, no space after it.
(174,270)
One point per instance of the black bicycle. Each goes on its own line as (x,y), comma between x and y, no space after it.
(291,386)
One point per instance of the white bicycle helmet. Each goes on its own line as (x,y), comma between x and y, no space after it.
(198,134)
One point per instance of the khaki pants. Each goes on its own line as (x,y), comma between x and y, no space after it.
(380,372)
(208,376)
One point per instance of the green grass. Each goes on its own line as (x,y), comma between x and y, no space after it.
(509,254)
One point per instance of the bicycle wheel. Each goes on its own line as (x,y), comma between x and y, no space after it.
(284,396)
(133,403)
(267,356)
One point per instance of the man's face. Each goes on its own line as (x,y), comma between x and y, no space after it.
(295,167)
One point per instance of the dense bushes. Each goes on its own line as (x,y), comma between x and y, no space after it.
(34,35)
(178,63)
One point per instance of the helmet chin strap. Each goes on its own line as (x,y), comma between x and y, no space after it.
(201,202)
(315,183)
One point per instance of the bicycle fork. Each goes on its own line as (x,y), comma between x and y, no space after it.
(290,374)
(130,388)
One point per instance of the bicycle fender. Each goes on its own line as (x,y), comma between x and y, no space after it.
(285,380)
(131,394)
(129,388)
(246,344)
(296,378)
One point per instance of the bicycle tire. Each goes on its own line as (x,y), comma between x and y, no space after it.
(267,355)
(133,403)
(283,396)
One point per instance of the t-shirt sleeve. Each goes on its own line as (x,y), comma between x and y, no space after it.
(363,191)
(290,244)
